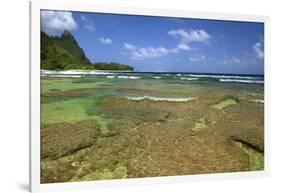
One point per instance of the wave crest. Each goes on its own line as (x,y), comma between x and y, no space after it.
(189,78)
(152,98)
(128,77)
(242,81)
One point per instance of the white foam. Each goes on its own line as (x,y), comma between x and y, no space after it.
(152,98)
(71,72)
(157,77)
(129,77)
(63,76)
(220,76)
(110,77)
(189,78)
(75,72)
(99,72)
(242,81)
(257,101)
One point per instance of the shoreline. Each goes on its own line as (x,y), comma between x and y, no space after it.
(81,70)
(184,77)
(195,74)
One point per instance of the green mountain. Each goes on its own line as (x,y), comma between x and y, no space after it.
(64,53)
(112,66)
(61,52)
(68,42)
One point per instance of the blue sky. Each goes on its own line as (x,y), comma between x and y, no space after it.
(164,44)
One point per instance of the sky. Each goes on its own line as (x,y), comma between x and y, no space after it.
(163,44)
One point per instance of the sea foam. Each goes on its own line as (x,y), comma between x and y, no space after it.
(220,76)
(75,72)
(243,81)
(257,101)
(110,77)
(128,77)
(64,76)
(152,98)
(189,78)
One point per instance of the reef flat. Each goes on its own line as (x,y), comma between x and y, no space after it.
(100,128)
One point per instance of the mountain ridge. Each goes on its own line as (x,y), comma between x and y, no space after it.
(64,53)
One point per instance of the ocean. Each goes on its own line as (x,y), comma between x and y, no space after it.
(110,125)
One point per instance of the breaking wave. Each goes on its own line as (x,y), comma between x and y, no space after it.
(220,76)
(242,81)
(257,101)
(152,98)
(189,78)
(110,77)
(128,77)
(74,72)
(63,75)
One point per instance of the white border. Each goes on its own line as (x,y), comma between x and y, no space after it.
(35,8)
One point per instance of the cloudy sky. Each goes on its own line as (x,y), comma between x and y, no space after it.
(164,44)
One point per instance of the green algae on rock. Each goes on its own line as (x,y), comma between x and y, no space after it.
(120,172)
(225,103)
(105,174)
(201,124)
(60,139)
(256,158)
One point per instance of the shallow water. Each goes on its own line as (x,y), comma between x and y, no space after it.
(124,125)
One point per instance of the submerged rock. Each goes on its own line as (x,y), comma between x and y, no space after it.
(257,101)
(105,174)
(256,158)
(120,172)
(201,124)
(225,103)
(104,125)
(142,111)
(252,137)
(61,139)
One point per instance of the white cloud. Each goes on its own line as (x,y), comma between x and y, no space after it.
(105,41)
(258,48)
(231,60)
(198,58)
(88,24)
(129,46)
(83,18)
(89,27)
(183,46)
(190,35)
(55,22)
(139,53)
(185,37)
(236,60)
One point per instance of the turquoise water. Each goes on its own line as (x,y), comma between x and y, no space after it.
(162,84)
